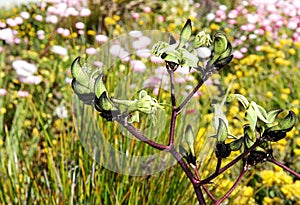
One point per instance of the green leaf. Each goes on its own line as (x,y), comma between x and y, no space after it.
(240,98)
(251,116)
(272,115)
(79,73)
(185,34)
(189,137)
(222,133)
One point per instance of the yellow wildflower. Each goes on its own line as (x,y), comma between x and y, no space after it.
(91,32)
(3,110)
(297,152)
(292,51)
(109,21)
(297,140)
(284,96)
(239,74)
(268,177)
(291,191)
(285,90)
(269,94)
(295,110)
(214,26)
(295,102)
(297,44)
(116,17)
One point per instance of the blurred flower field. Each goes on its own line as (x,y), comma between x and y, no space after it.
(42,159)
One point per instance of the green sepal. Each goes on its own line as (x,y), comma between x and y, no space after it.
(222,133)
(185,34)
(249,136)
(83,93)
(236,144)
(102,102)
(221,49)
(260,112)
(78,72)
(223,62)
(272,115)
(189,137)
(99,86)
(285,124)
(251,116)
(220,43)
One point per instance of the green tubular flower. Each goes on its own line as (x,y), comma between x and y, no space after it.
(146,103)
(202,39)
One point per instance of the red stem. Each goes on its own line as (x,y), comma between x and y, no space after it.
(245,169)
(230,164)
(204,186)
(174,113)
(274,161)
(189,97)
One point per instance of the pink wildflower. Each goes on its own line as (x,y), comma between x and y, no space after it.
(138,66)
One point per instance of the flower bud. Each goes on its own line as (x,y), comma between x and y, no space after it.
(102,102)
(79,73)
(285,124)
(146,103)
(222,51)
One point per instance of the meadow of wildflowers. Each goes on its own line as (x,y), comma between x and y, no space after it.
(42,158)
